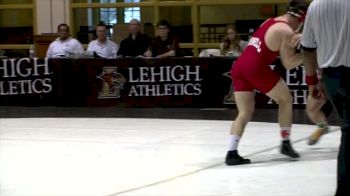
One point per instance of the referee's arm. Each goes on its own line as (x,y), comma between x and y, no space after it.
(309,45)
(310,61)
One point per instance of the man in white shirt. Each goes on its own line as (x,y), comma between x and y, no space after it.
(64,45)
(325,42)
(102,47)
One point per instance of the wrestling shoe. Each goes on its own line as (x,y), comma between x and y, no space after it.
(287,149)
(233,158)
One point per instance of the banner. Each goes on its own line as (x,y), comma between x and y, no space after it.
(23,80)
(131,82)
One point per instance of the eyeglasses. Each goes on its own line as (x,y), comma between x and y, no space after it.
(162,28)
(63,31)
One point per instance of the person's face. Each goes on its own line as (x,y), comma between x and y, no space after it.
(297,21)
(163,31)
(231,34)
(134,28)
(295,24)
(63,32)
(101,33)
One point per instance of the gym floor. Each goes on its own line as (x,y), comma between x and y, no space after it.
(49,151)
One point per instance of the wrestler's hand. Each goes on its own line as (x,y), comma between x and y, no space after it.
(295,41)
(317,91)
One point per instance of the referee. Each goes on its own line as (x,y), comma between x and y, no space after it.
(326,45)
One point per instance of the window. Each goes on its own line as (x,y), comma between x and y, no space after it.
(110,15)
(132,12)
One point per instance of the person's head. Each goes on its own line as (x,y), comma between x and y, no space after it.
(101,32)
(63,31)
(231,32)
(134,26)
(163,28)
(297,11)
(231,38)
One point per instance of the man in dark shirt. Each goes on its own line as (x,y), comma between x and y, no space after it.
(136,44)
(164,45)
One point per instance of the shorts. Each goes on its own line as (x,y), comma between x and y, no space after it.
(247,77)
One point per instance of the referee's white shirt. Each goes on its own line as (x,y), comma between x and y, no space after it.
(64,48)
(107,49)
(327,28)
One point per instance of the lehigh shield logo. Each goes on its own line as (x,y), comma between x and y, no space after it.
(230,96)
(112,83)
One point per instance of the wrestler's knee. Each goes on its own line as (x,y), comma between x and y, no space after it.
(284,99)
(246,114)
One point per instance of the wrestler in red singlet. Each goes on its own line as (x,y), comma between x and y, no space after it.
(251,70)
(276,36)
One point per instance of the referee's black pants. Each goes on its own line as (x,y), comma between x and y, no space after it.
(337,84)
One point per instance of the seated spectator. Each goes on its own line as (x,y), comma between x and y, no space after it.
(64,45)
(102,47)
(232,44)
(164,45)
(136,44)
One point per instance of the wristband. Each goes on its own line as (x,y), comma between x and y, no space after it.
(311,80)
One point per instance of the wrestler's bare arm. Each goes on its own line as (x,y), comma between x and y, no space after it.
(289,41)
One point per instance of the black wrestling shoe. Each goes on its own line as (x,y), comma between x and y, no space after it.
(287,149)
(233,158)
